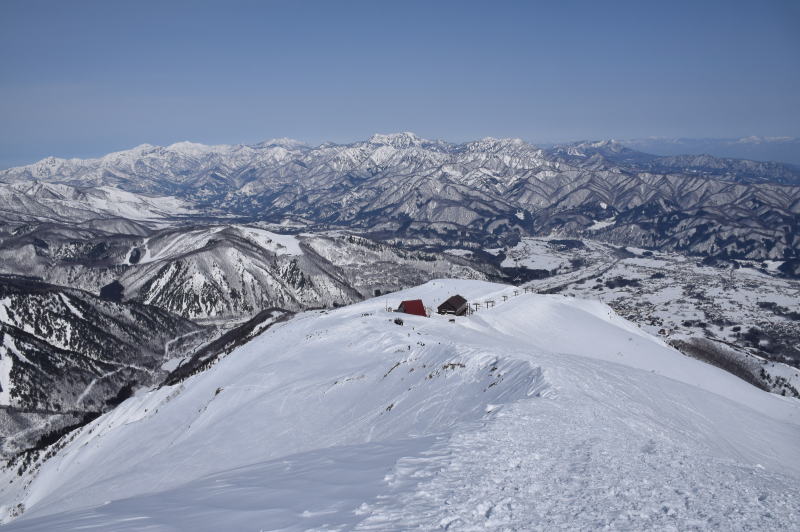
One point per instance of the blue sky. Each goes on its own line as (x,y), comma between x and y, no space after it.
(84,78)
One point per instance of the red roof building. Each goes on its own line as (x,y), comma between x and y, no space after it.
(412,306)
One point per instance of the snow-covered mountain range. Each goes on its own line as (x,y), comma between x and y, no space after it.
(223,272)
(541,412)
(423,192)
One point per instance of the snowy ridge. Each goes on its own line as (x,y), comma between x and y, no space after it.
(539,413)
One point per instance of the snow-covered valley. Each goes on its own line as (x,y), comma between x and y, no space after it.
(540,412)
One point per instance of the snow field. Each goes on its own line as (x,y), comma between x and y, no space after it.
(541,413)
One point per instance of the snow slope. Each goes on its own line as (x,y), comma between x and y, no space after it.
(47,202)
(740,310)
(542,412)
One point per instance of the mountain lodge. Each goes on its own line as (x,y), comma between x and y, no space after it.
(454,305)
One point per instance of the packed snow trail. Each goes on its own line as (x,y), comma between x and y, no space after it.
(546,464)
(542,413)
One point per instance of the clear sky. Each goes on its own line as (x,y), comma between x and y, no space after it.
(82,78)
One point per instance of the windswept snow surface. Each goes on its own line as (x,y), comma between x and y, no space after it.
(541,413)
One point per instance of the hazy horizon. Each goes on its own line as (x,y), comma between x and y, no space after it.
(90,78)
(778,149)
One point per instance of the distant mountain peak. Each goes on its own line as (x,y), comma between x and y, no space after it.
(405,139)
(136,150)
(753,139)
(283,142)
(190,148)
(492,144)
(611,144)
(506,141)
